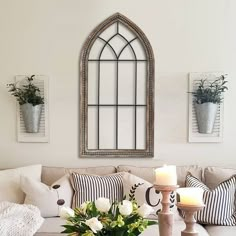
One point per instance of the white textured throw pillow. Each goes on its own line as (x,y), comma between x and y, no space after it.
(48,199)
(10,182)
(144,192)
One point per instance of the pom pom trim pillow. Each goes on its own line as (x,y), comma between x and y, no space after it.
(220,202)
(49,199)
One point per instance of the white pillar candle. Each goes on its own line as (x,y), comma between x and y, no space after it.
(191,196)
(166,175)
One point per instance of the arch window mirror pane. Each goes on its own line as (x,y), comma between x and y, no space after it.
(117,91)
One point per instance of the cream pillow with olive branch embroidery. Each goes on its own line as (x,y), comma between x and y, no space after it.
(143,192)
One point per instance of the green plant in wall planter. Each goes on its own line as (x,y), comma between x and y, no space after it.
(31,102)
(207,98)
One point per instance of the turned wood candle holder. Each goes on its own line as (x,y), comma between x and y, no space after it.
(189,212)
(165,216)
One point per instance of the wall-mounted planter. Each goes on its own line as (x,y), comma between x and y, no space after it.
(207,133)
(27,134)
(206,115)
(31,116)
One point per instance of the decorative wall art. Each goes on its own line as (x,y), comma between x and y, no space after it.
(200,129)
(42,134)
(117,91)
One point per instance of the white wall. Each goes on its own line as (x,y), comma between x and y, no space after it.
(45,37)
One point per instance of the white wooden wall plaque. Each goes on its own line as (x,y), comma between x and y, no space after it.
(193,134)
(42,136)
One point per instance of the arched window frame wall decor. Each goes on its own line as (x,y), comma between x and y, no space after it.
(84,59)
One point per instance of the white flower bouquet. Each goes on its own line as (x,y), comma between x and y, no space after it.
(100,218)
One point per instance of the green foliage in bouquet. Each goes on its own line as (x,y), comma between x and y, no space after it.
(100,218)
(210,91)
(28,93)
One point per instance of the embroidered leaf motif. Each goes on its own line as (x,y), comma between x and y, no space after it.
(157,212)
(132,191)
(172,199)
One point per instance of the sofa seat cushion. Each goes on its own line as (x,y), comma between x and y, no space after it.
(52,227)
(214,230)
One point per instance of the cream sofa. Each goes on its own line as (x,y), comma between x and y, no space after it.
(212,176)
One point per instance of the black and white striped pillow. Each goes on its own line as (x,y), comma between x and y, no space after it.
(220,202)
(91,187)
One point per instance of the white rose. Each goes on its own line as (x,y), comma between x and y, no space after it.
(125,208)
(103,204)
(145,210)
(94,224)
(66,212)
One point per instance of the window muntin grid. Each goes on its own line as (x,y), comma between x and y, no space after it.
(116,60)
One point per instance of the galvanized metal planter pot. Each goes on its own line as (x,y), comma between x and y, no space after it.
(31,116)
(206,115)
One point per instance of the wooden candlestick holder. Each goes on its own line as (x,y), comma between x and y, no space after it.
(165,216)
(189,212)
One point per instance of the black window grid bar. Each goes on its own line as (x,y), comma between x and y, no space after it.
(117,105)
(120,60)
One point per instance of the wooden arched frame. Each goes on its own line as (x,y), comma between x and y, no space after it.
(149,148)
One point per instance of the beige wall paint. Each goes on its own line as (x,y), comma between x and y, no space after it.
(46,36)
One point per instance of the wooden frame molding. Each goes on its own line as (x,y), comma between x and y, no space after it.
(84,151)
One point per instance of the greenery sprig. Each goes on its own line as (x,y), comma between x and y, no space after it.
(210,91)
(28,93)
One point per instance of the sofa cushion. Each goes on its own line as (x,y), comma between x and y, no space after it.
(182,172)
(91,187)
(48,199)
(215,230)
(10,182)
(52,174)
(148,173)
(99,170)
(220,207)
(215,175)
